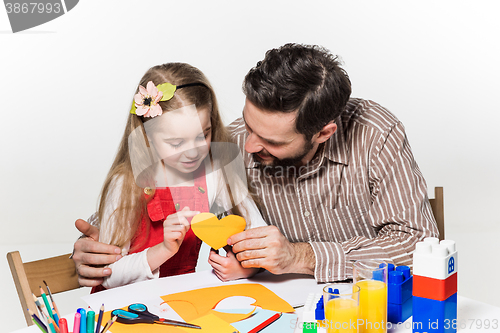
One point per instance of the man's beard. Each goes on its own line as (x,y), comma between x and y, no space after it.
(285,162)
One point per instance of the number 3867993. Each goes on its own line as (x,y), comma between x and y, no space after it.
(33,7)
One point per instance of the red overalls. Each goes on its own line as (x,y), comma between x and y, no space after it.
(164,203)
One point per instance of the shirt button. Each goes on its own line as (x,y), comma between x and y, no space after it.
(306,213)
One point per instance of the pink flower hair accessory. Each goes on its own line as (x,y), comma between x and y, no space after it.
(146,100)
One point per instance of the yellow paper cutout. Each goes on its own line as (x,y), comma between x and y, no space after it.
(215,232)
(195,303)
(209,323)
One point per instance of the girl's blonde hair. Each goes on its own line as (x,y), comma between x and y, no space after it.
(132,201)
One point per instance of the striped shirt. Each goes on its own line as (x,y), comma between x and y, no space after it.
(362,195)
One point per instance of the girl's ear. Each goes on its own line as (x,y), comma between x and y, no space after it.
(326,132)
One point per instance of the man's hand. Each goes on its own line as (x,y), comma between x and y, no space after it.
(90,256)
(266,247)
(229,268)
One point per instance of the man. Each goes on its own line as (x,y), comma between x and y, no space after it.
(335,176)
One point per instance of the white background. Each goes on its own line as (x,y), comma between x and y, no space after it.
(66,88)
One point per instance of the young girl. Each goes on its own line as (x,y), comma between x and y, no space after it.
(165,172)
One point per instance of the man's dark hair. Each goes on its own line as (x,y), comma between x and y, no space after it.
(307,78)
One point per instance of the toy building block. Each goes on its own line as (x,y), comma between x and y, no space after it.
(309,322)
(399,294)
(400,284)
(399,313)
(309,327)
(435,270)
(319,312)
(435,260)
(436,289)
(320,305)
(309,313)
(434,316)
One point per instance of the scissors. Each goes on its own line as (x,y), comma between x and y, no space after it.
(138,313)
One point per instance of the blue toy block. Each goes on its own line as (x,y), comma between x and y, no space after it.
(434,316)
(400,285)
(319,313)
(399,294)
(399,313)
(379,275)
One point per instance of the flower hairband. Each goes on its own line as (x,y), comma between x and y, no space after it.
(146,100)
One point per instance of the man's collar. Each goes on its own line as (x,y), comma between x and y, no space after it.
(335,147)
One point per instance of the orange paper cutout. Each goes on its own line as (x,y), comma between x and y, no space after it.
(195,303)
(210,323)
(215,232)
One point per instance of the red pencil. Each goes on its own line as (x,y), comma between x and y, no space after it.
(266,323)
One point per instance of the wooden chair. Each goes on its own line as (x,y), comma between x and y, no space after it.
(59,273)
(437,205)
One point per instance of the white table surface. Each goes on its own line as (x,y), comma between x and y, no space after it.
(291,287)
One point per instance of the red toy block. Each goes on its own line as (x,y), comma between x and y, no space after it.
(435,289)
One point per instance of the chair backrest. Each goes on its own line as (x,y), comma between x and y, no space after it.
(437,205)
(59,273)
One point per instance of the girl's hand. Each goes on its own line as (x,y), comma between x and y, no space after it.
(229,268)
(175,227)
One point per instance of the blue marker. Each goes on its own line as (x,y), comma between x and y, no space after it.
(83,320)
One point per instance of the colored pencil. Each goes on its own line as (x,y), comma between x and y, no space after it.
(37,321)
(52,300)
(41,307)
(63,325)
(108,325)
(266,323)
(76,324)
(99,319)
(40,327)
(38,304)
(34,316)
(46,301)
(56,327)
(52,328)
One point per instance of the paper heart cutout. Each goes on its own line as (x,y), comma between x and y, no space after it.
(215,232)
(235,302)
